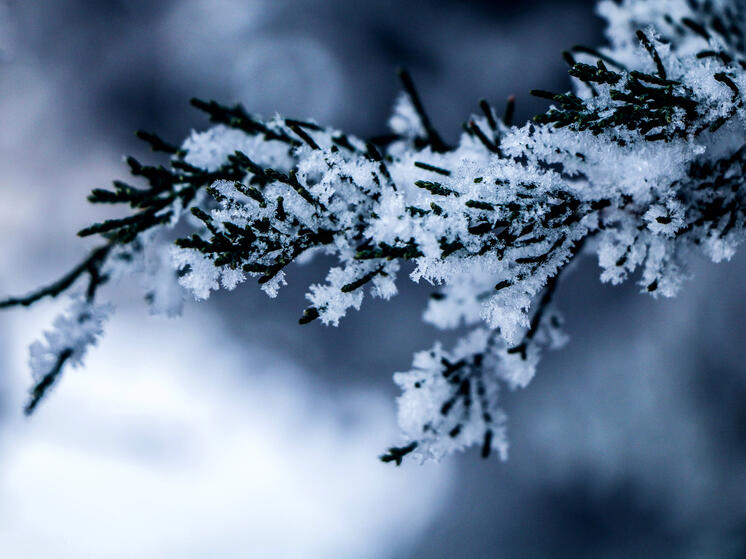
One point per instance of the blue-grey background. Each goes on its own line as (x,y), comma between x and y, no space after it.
(631,442)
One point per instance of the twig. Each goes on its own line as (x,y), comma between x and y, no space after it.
(433,138)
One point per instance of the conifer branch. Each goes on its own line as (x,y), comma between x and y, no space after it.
(648,163)
(91,266)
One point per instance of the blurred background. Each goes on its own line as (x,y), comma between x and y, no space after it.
(234,432)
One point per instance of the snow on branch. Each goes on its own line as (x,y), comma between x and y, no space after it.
(642,163)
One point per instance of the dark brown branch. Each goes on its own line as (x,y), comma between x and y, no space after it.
(543,305)
(90,265)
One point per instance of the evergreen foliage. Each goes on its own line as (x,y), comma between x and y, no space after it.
(642,163)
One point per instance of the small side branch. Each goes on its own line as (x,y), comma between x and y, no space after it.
(46,382)
(544,303)
(90,265)
(397,454)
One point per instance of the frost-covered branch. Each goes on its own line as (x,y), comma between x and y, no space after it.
(641,163)
(68,343)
